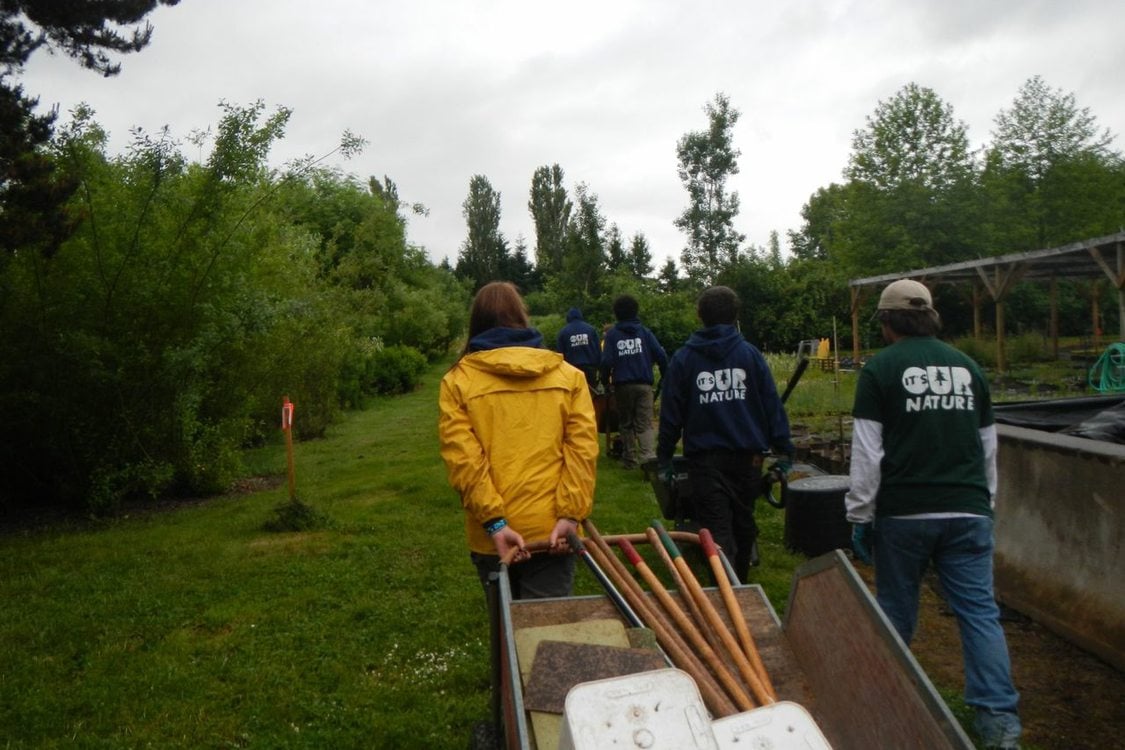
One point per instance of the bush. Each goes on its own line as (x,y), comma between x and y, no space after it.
(396,369)
(296,515)
(549,326)
(1028,347)
(983,352)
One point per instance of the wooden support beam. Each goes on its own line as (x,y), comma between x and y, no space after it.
(857,297)
(1054,324)
(976,311)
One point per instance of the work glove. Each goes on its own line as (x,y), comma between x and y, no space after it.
(861,541)
(668,474)
(778,471)
(782,466)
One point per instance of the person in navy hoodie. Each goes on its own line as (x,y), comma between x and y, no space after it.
(720,396)
(579,344)
(628,357)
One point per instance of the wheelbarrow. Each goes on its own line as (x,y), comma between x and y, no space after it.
(835,654)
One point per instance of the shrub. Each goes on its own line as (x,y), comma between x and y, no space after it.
(983,352)
(396,369)
(1027,347)
(549,326)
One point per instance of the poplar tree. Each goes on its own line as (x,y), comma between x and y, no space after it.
(550,209)
(707,158)
(484,253)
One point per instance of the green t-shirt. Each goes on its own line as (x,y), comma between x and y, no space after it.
(932,401)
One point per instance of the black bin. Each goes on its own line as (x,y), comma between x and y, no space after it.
(815,518)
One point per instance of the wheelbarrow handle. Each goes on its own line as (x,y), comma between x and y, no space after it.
(776,478)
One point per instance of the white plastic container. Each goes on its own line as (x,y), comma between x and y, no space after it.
(779,726)
(658,710)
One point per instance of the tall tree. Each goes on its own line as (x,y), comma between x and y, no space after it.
(912,139)
(32,193)
(669,278)
(821,216)
(550,209)
(615,249)
(773,250)
(640,256)
(911,197)
(1044,127)
(484,253)
(1050,175)
(585,262)
(518,268)
(707,158)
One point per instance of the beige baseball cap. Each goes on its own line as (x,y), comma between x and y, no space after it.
(906,294)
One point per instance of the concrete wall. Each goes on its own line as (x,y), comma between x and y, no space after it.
(1060,536)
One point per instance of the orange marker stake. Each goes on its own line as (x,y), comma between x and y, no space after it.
(287,410)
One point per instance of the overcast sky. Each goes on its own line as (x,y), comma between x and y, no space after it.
(446,89)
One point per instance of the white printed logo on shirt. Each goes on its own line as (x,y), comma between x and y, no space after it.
(627,347)
(579,339)
(933,387)
(727,384)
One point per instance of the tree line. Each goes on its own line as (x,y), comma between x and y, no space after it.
(914,194)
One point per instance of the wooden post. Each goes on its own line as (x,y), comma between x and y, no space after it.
(855,326)
(976,311)
(1120,292)
(287,427)
(1001,361)
(1095,315)
(1054,318)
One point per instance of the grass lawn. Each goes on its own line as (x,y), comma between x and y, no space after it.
(194,627)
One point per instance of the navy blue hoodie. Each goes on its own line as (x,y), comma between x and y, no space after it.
(578,341)
(629,353)
(719,393)
(499,337)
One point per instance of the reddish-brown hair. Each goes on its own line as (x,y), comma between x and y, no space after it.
(497,304)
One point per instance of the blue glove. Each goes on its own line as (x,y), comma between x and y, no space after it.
(861,541)
(783,466)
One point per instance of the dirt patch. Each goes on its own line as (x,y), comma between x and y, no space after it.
(1069,699)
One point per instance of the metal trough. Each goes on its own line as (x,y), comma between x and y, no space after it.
(1060,527)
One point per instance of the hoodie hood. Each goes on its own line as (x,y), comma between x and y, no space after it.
(633,325)
(715,342)
(498,338)
(573,314)
(511,352)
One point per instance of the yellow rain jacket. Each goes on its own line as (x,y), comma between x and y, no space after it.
(519,441)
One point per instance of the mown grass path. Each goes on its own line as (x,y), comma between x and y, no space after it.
(195,628)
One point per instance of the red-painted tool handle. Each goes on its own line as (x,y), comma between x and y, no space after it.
(630,551)
(707,542)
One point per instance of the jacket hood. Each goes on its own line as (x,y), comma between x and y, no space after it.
(498,338)
(573,314)
(512,352)
(514,361)
(633,325)
(715,342)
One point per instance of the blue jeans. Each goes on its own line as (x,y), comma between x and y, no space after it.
(961,552)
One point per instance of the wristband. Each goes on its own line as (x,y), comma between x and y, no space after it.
(491,527)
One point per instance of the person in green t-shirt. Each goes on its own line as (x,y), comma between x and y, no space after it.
(923,475)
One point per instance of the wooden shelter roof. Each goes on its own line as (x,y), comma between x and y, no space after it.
(1092,258)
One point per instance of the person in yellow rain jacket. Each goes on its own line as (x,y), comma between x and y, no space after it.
(520,444)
